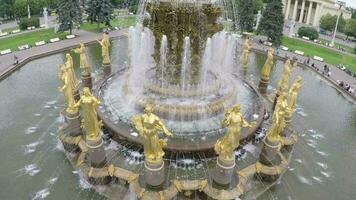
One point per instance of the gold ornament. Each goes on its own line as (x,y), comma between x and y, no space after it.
(149,125)
(105,44)
(84,65)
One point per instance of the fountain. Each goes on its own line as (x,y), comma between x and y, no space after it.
(182,73)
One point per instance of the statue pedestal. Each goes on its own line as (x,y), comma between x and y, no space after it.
(263,85)
(96,153)
(73,122)
(269,158)
(72,128)
(106,69)
(87,81)
(154,173)
(224,171)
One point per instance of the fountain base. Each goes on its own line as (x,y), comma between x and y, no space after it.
(224,171)
(262,87)
(87,81)
(106,69)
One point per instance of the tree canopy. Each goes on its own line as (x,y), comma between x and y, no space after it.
(99,11)
(350,28)
(328,22)
(272,22)
(69,14)
(246,17)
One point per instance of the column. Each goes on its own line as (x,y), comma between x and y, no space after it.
(316,16)
(309,11)
(295,10)
(286,15)
(302,12)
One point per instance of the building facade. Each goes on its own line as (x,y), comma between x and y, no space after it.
(310,11)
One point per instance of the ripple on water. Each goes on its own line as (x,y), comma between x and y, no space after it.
(318,179)
(52,181)
(41,194)
(322,165)
(30,170)
(304,180)
(322,153)
(30,130)
(326,174)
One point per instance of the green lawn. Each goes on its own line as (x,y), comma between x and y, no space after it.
(9,30)
(347,48)
(29,38)
(120,22)
(330,56)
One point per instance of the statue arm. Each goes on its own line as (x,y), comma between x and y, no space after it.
(163,127)
(78,104)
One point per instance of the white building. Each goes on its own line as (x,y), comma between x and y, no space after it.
(310,11)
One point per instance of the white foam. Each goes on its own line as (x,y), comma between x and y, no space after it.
(42,194)
(304,180)
(311,145)
(322,165)
(83,183)
(318,179)
(30,130)
(37,114)
(322,153)
(30,170)
(134,134)
(53,180)
(298,160)
(112,146)
(34,144)
(312,130)
(51,102)
(28,151)
(250,148)
(47,106)
(303,114)
(59,146)
(326,174)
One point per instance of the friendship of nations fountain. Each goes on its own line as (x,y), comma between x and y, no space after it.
(183,108)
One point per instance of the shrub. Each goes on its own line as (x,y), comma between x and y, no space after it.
(355,50)
(27,22)
(309,32)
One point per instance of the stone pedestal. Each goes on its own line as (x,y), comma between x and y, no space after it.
(87,81)
(269,158)
(107,69)
(263,85)
(224,172)
(71,128)
(154,174)
(96,156)
(73,122)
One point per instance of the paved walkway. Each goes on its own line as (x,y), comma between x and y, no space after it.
(336,74)
(7,61)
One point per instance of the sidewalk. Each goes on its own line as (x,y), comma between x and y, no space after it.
(7,61)
(336,73)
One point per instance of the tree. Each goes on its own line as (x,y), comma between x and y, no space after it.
(6,8)
(350,28)
(355,50)
(99,11)
(309,32)
(69,14)
(328,22)
(246,17)
(272,22)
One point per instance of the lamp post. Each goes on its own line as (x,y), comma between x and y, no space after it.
(28,10)
(340,4)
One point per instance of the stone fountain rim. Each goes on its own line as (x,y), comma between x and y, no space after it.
(121,131)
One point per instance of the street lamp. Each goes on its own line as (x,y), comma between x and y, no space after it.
(28,10)
(340,4)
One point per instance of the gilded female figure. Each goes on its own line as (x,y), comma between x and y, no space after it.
(278,119)
(149,125)
(84,65)
(70,69)
(293,95)
(90,122)
(105,44)
(234,121)
(266,69)
(67,90)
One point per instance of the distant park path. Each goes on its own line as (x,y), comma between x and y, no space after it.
(7,61)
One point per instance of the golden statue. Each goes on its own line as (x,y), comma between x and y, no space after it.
(234,121)
(245,51)
(278,119)
(90,122)
(67,90)
(84,65)
(105,44)
(292,96)
(70,69)
(283,82)
(149,125)
(266,69)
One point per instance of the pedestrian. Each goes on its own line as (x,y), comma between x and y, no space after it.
(16,60)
